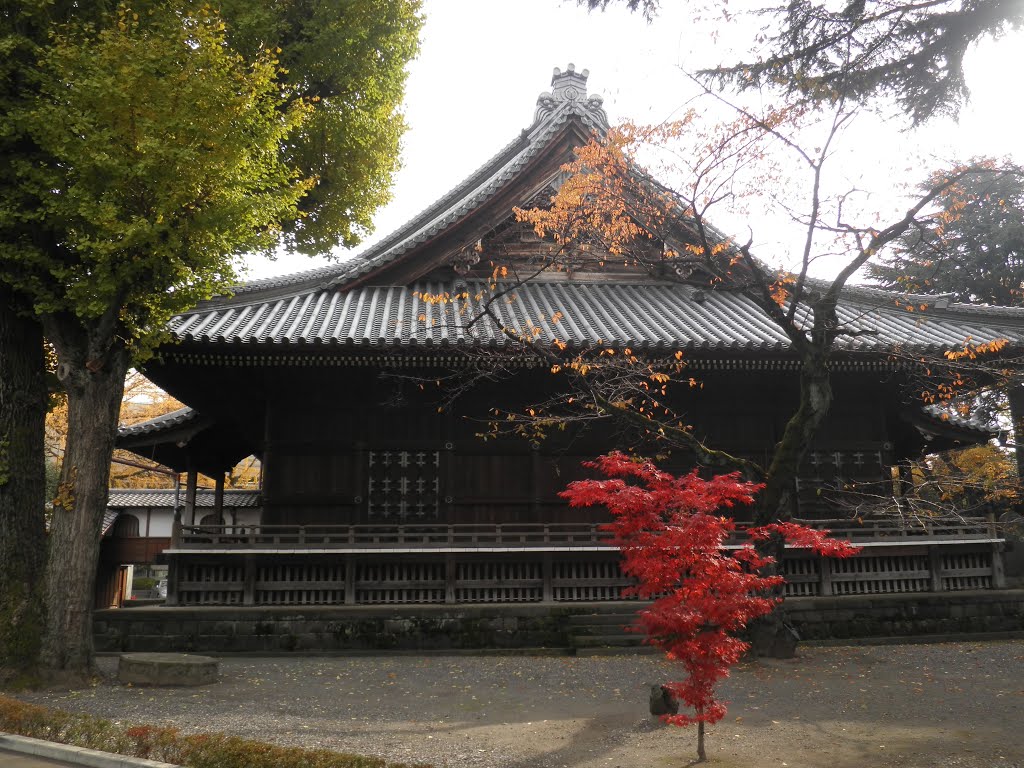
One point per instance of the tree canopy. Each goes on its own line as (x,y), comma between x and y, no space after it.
(910,50)
(143,146)
(972,248)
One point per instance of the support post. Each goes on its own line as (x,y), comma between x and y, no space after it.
(450,572)
(176,521)
(173,577)
(935,568)
(249,588)
(825,583)
(218,498)
(190,494)
(350,579)
(1015,396)
(547,572)
(998,574)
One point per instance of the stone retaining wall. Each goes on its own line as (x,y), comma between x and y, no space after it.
(312,629)
(275,630)
(828,618)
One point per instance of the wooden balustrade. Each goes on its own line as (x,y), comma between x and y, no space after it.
(525,535)
(550,562)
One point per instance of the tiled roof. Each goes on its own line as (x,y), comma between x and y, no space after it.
(124,498)
(639,314)
(109,516)
(947,416)
(568,101)
(166,421)
(319,308)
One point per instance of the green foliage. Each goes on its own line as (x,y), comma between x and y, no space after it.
(143,146)
(911,51)
(346,59)
(161,162)
(973,248)
(168,745)
(822,52)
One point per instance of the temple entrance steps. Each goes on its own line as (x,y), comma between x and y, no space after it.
(603,631)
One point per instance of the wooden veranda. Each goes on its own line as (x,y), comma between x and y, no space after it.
(514,563)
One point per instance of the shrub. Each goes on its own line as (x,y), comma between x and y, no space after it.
(208,750)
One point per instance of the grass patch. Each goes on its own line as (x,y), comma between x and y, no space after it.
(208,750)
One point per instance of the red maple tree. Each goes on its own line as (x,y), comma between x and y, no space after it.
(676,543)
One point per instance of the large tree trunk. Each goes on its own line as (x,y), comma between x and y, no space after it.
(770,636)
(95,385)
(22,490)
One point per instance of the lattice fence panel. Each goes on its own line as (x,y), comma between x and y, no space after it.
(966,570)
(880,574)
(400,583)
(209,584)
(587,581)
(803,576)
(300,584)
(499,582)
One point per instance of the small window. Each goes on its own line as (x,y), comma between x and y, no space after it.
(125,527)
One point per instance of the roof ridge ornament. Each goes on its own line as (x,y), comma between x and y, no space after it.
(570,87)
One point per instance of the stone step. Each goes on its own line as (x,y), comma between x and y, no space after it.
(602,631)
(604,641)
(618,650)
(602,619)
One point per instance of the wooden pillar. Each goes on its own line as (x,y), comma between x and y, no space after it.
(547,570)
(1015,395)
(450,571)
(173,571)
(190,494)
(218,498)
(535,472)
(350,579)
(249,588)
(825,584)
(266,461)
(176,520)
(935,567)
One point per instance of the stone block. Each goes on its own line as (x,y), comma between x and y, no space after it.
(166,669)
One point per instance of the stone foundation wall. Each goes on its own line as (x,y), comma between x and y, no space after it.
(276,630)
(283,630)
(835,618)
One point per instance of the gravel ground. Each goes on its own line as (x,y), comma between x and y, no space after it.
(954,705)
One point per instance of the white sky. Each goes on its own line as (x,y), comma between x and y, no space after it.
(483,64)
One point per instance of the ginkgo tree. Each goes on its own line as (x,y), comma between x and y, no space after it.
(143,147)
(673,534)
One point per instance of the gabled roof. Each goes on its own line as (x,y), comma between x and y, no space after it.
(351,306)
(567,103)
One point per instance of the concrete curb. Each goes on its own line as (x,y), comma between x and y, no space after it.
(88,758)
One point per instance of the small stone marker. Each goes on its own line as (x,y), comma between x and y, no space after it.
(166,669)
(663,702)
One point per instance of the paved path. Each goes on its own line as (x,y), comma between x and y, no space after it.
(952,705)
(14,760)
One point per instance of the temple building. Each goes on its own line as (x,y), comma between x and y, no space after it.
(377,487)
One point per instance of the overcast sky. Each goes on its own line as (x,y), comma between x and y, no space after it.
(483,64)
